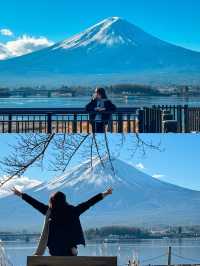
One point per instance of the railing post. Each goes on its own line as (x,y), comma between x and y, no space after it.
(141,121)
(9,123)
(110,124)
(74,124)
(159,120)
(186,118)
(128,123)
(120,123)
(179,118)
(49,123)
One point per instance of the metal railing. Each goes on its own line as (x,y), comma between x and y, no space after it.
(65,120)
(157,119)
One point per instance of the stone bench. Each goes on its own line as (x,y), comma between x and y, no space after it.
(71,261)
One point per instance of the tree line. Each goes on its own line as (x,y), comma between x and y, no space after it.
(120,231)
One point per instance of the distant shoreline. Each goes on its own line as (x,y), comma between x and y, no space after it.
(116,90)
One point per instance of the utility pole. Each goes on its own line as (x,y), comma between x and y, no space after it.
(169,256)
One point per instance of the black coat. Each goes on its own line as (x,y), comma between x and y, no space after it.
(65,228)
(106,115)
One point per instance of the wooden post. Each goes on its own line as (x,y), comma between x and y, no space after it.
(169,262)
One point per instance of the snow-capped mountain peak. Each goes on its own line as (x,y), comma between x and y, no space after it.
(109,32)
(84,175)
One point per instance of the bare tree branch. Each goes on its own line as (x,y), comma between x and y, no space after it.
(75,150)
(18,167)
(57,150)
(65,148)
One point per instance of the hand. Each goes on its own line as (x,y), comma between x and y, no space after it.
(99,109)
(16,192)
(107,192)
(102,109)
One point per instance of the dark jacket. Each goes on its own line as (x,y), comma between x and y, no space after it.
(106,115)
(65,228)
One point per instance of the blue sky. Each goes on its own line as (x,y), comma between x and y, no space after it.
(177,163)
(172,20)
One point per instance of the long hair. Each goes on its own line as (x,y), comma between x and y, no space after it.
(57,200)
(102,92)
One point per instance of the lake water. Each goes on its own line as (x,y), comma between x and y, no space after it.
(183,251)
(133,101)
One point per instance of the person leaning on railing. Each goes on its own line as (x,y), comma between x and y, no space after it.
(100,110)
(62,230)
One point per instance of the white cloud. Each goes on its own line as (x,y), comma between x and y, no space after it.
(158,176)
(3,52)
(6,32)
(23,45)
(22,183)
(140,166)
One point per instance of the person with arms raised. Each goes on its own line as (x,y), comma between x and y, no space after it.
(62,231)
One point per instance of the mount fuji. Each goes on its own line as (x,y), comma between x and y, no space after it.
(111,51)
(138,199)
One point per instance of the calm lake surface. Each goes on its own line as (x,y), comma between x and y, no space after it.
(132,101)
(188,251)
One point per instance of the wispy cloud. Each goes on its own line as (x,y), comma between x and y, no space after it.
(23,45)
(158,176)
(140,166)
(6,32)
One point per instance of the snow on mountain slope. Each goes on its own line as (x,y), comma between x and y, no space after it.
(99,33)
(112,49)
(138,198)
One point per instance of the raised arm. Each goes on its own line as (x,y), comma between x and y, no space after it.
(81,208)
(41,207)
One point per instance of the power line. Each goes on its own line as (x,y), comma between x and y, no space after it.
(173,254)
(186,258)
(153,258)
